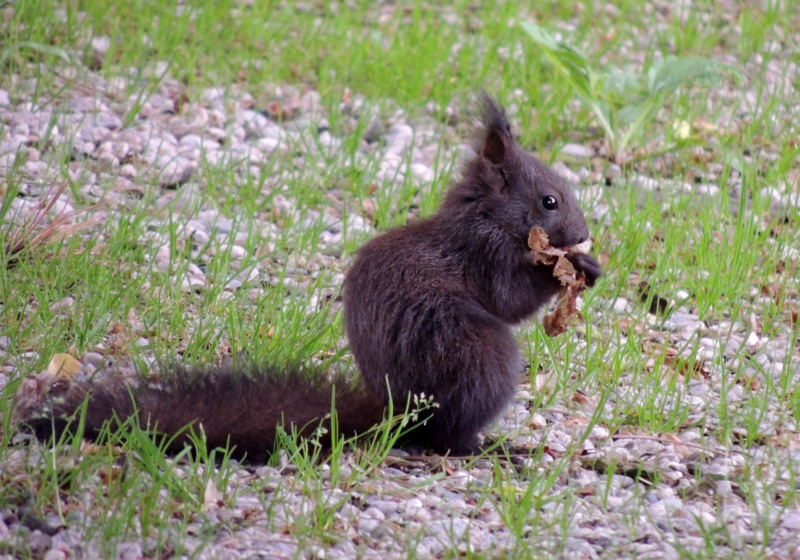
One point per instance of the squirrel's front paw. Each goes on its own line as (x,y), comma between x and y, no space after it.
(586,264)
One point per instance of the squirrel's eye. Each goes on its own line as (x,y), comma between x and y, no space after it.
(550,203)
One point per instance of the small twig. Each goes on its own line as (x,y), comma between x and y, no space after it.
(16,245)
(665,442)
(23,237)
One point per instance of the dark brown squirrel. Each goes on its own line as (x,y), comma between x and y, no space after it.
(428,308)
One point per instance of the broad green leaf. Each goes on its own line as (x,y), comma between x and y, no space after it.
(41,47)
(647,113)
(574,67)
(623,102)
(628,114)
(565,58)
(668,74)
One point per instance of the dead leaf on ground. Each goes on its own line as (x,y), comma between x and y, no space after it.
(63,365)
(212,498)
(575,421)
(546,382)
(678,445)
(580,398)
(752,382)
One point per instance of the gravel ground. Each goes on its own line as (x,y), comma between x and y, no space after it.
(648,495)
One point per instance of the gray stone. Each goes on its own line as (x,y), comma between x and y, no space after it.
(577,151)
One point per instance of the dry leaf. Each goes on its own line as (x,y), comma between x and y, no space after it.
(566,309)
(546,382)
(580,398)
(575,421)
(111,474)
(677,445)
(752,382)
(538,240)
(63,365)
(564,271)
(211,497)
(542,252)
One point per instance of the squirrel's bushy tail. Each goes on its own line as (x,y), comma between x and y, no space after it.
(240,407)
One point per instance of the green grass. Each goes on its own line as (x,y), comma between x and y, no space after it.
(727,252)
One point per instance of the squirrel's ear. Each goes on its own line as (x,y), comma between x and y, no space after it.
(497,143)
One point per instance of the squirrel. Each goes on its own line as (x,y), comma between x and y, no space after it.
(428,309)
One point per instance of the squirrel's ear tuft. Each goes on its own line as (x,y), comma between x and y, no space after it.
(497,142)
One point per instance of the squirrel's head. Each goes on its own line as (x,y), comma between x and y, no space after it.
(513,189)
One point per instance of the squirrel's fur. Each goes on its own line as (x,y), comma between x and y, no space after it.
(230,405)
(428,308)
